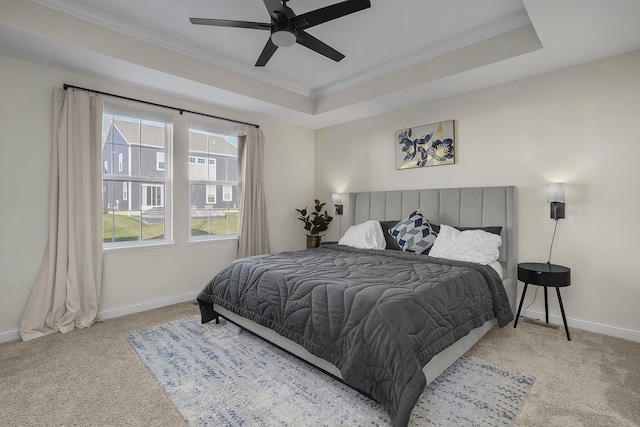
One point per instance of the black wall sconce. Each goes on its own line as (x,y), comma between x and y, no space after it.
(555,196)
(336,199)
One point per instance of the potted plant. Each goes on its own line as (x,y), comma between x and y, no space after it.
(315,223)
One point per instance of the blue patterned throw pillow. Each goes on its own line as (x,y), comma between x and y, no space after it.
(414,234)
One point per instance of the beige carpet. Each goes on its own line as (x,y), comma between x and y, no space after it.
(93,377)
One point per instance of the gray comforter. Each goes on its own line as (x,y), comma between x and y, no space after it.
(379,316)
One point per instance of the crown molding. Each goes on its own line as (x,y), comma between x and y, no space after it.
(475,35)
(478,34)
(88,14)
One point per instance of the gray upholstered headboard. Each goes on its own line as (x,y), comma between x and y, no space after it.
(463,207)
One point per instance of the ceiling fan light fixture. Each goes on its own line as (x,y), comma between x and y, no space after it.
(286,28)
(283,38)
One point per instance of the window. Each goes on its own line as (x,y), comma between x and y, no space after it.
(160,161)
(151,196)
(213,167)
(226,193)
(136,199)
(211,195)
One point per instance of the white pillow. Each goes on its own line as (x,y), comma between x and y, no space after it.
(498,268)
(470,245)
(367,235)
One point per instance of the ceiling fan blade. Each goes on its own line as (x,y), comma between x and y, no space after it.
(329,13)
(267,53)
(307,40)
(228,23)
(276,9)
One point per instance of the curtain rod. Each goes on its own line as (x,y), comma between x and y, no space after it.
(181,110)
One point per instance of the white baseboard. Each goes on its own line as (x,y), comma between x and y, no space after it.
(120,311)
(9,335)
(600,328)
(614,331)
(147,305)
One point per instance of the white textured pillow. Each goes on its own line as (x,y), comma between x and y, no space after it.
(367,235)
(470,245)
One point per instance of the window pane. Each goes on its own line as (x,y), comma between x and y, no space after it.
(153,225)
(126,130)
(200,225)
(135,209)
(211,222)
(232,215)
(120,227)
(213,178)
(152,133)
(134,147)
(147,163)
(231,169)
(219,221)
(131,218)
(118,222)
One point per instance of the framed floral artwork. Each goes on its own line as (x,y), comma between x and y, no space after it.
(428,145)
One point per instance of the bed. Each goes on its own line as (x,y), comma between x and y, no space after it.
(362,315)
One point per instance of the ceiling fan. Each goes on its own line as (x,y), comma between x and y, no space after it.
(287,28)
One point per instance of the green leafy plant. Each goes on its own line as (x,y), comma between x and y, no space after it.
(315,222)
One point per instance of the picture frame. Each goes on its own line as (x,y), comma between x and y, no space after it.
(425,146)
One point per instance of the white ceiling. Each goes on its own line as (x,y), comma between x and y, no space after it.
(398,53)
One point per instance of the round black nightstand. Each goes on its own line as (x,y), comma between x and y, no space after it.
(544,274)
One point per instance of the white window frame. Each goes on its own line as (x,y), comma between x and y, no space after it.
(120,161)
(134,110)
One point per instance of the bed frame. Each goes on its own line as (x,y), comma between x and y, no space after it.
(463,207)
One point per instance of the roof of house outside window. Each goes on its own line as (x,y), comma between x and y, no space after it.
(132,132)
(207,143)
(154,136)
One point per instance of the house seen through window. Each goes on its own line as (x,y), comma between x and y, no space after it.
(213,181)
(135,179)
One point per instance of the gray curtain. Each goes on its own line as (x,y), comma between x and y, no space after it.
(66,293)
(253,235)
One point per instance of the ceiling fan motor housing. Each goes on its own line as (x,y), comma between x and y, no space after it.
(283,35)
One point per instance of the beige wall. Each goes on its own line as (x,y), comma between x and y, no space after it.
(133,280)
(578,126)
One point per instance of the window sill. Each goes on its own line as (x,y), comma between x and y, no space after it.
(141,247)
(221,239)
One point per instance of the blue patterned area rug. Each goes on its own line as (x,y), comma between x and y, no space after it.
(217,378)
